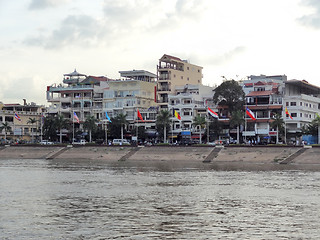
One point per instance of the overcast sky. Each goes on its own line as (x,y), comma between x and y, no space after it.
(43,39)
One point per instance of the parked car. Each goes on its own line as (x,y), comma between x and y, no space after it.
(120,142)
(81,142)
(46,142)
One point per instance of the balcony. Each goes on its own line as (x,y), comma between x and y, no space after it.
(65,99)
(164,89)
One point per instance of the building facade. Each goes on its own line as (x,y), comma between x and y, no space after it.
(173,71)
(24,119)
(189,101)
(135,90)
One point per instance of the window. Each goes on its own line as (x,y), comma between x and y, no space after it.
(300,114)
(181,77)
(293,115)
(300,103)
(187,68)
(287,104)
(293,104)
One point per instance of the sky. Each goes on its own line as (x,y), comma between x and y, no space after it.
(43,39)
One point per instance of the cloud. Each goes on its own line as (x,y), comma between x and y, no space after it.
(44,4)
(313,19)
(29,88)
(217,60)
(119,20)
(74,30)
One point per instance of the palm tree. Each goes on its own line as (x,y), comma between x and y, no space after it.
(122,120)
(163,122)
(277,123)
(237,118)
(199,121)
(32,121)
(60,123)
(6,127)
(90,124)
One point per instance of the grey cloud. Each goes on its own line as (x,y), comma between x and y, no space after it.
(43,4)
(83,30)
(311,20)
(121,18)
(223,58)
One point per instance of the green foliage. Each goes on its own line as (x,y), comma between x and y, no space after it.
(312,128)
(163,122)
(199,121)
(237,118)
(116,124)
(230,94)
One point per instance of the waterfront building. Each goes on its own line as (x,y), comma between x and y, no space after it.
(172,71)
(189,101)
(264,97)
(79,94)
(24,119)
(302,100)
(135,90)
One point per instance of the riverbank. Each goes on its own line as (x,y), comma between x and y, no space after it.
(224,158)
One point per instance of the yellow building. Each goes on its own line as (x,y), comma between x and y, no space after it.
(24,120)
(172,72)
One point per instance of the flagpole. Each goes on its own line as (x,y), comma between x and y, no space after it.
(72,126)
(172,129)
(137,128)
(245,126)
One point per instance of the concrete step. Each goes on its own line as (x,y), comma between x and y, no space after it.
(129,154)
(293,156)
(213,154)
(57,153)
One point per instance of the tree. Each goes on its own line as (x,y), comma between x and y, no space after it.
(314,127)
(237,118)
(277,123)
(163,123)
(32,121)
(60,123)
(6,127)
(90,125)
(215,128)
(199,121)
(49,128)
(119,121)
(229,94)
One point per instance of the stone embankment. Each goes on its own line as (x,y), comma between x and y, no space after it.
(182,156)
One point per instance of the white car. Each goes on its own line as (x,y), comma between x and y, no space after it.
(46,142)
(81,142)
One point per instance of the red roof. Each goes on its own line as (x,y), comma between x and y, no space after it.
(259,93)
(172,57)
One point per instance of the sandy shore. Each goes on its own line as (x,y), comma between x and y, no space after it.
(227,158)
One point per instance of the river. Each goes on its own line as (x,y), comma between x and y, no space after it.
(43,199)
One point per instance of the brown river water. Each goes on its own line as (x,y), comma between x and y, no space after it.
(47,199)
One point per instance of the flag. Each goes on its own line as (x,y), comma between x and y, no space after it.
(212,113)
(287,112)
(176,114)
(250,113)
(76,117)
(107,116)
(16,116)
(140,116)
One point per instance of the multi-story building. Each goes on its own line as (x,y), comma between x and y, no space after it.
(173,71)
(264,97)
(80,94)
(135,90)
(302,100)
(189,101)
(24,120)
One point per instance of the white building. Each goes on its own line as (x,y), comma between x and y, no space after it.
(188,101)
